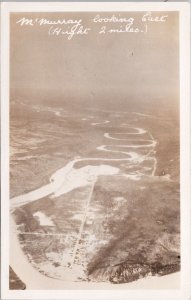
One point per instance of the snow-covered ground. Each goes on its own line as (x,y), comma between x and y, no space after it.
(65,180)
(36,281)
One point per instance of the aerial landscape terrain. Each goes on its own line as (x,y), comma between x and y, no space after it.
(95,193)
(94,154)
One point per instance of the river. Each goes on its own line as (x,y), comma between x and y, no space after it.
(65,180)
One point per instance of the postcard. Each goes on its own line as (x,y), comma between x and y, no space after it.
(96,150)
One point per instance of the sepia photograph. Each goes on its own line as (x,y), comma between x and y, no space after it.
(94,150)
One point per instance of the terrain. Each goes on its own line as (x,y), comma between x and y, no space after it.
(15,282)
(95,191)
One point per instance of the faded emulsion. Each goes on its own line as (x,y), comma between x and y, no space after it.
(94,150)
(74,27)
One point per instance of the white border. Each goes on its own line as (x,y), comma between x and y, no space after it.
(184,10)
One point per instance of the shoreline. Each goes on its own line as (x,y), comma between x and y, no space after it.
(57,186)
(36,281)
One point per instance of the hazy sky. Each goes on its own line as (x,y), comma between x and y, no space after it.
(96,64)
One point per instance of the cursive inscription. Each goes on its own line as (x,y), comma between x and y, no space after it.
(100,24)
(74,30)
(149,18)
(42,21)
